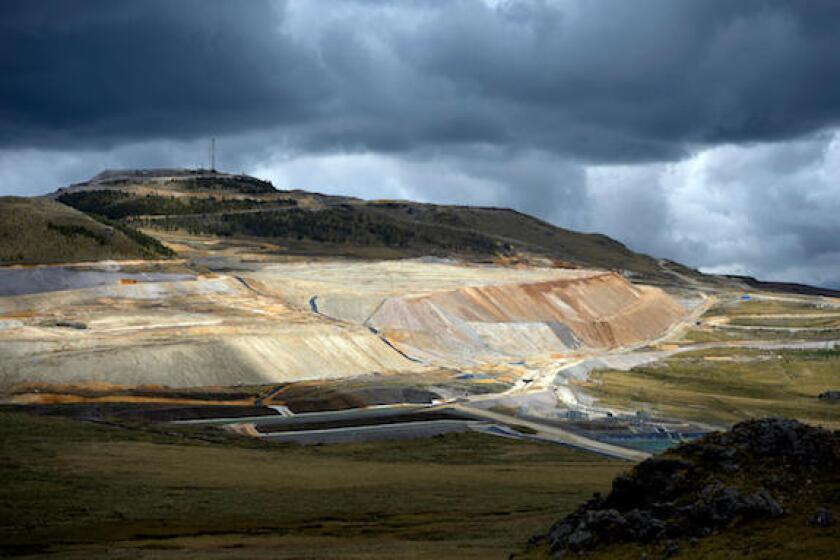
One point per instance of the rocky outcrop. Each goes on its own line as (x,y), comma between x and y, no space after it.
(704,487)
(831,396)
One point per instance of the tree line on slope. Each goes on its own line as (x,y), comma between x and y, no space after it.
(336,225)
(116,205)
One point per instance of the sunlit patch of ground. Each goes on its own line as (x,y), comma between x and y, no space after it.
(725,385)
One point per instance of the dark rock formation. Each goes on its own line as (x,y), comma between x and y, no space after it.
(703,487)
(822,518)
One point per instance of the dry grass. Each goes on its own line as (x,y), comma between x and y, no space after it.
(753,384)
(800,306)
(40,230)
(803,321)
(81,490)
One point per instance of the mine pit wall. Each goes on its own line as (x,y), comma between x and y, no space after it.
(277,351)
(316,353)
(467,325)
(603,311)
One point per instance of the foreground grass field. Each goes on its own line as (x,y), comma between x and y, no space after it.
(82,490)
(723,386)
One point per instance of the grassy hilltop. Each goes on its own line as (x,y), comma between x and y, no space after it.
(234,206)
(40,230)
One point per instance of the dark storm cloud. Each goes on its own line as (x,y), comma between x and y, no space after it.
(701,130)
(105,71)
(607,81)
(597,80)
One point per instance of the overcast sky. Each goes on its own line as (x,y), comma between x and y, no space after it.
(703,131)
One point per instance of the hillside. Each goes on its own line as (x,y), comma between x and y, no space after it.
(787,287)
(40,230)
(766,488)
(203,202)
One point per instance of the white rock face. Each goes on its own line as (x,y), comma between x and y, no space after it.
(299,321)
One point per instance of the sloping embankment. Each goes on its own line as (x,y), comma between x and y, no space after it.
(474,323)
(210,331)
(312,352)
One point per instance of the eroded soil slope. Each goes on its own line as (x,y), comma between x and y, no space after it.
(297,321)
(592,310)
(208,331)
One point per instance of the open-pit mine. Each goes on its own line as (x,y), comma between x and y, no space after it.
(253,302)
(214,308)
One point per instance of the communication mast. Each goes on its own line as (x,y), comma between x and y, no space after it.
(213,154)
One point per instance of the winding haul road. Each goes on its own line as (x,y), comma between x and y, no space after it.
(532,382)
(474,410)
(555,434)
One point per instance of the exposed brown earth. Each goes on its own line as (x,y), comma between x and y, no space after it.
(593,310)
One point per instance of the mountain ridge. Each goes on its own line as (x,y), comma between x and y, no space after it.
(304,223)
(339,224)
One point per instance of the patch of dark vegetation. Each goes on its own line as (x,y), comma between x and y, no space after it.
(117,204)
(151,245)
(759,470)
(340,225)
(73,229)
(234,183)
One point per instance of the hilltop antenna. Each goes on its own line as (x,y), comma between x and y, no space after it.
(213,154)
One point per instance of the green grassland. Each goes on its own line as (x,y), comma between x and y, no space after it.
(781,320)
(802,321)
(770,334)
(81,490)
(723,386)
(40,230)
(699,336)
(761,306)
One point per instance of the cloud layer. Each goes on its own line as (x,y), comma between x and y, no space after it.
(603,80)
(699,130)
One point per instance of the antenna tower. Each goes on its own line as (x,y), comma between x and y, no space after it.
(212,154)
